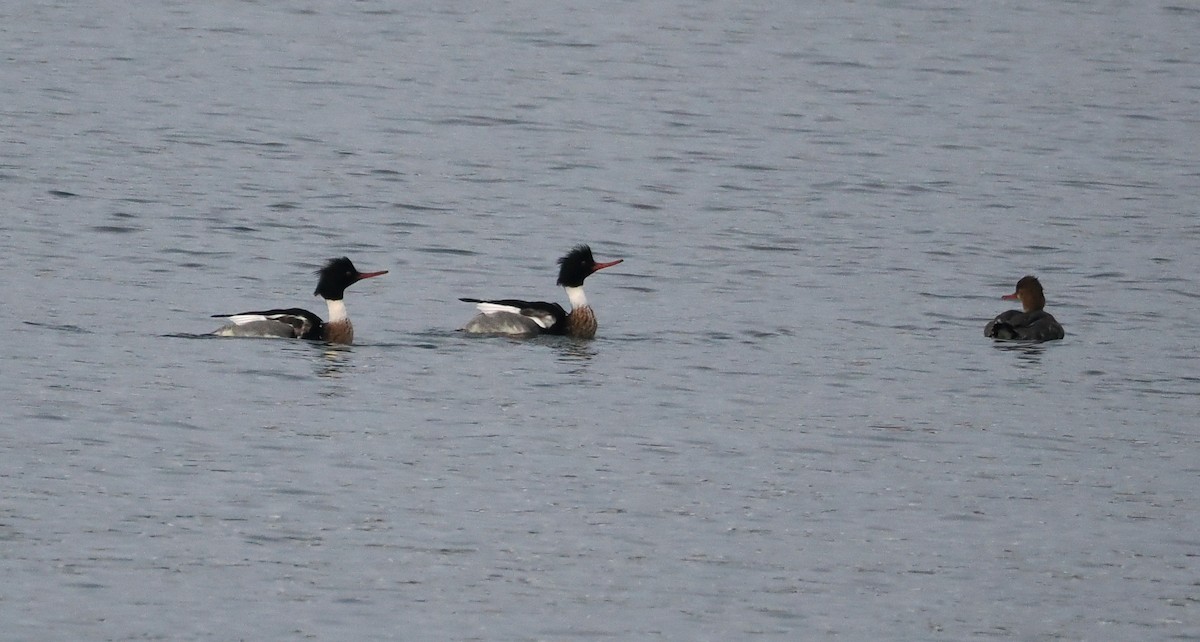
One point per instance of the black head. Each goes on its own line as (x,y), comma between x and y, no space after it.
(578,265)
(337,275)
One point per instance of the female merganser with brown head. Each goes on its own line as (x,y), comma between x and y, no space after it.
(295,323)
(511,316)
(1031,323)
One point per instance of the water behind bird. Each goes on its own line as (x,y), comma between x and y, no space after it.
(789,425)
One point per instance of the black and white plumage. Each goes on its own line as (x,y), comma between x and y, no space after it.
(292,323)
(528,318)
(296,323)
(1031,322)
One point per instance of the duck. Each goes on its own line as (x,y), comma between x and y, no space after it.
(530,318)
(1031,322)
(297,323)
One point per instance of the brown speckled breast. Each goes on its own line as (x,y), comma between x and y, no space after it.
(581,323)
(339,332)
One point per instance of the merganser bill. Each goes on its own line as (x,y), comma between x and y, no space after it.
(295,323)
(528,318)
(1031,323)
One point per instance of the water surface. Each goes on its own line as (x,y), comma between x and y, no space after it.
(790,425)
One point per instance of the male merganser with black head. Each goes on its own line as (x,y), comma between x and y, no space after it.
(295,323)
(510,316)
(1031,323)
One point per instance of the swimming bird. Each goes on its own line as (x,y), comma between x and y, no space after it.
(528,318)
(296,323)
(1031,323)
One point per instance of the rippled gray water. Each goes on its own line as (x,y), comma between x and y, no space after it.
(790,426)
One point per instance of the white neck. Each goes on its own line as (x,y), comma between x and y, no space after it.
(578,300)
(337,310)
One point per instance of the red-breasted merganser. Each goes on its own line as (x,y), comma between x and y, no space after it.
(295,323)
(511,316)
(1031,323)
